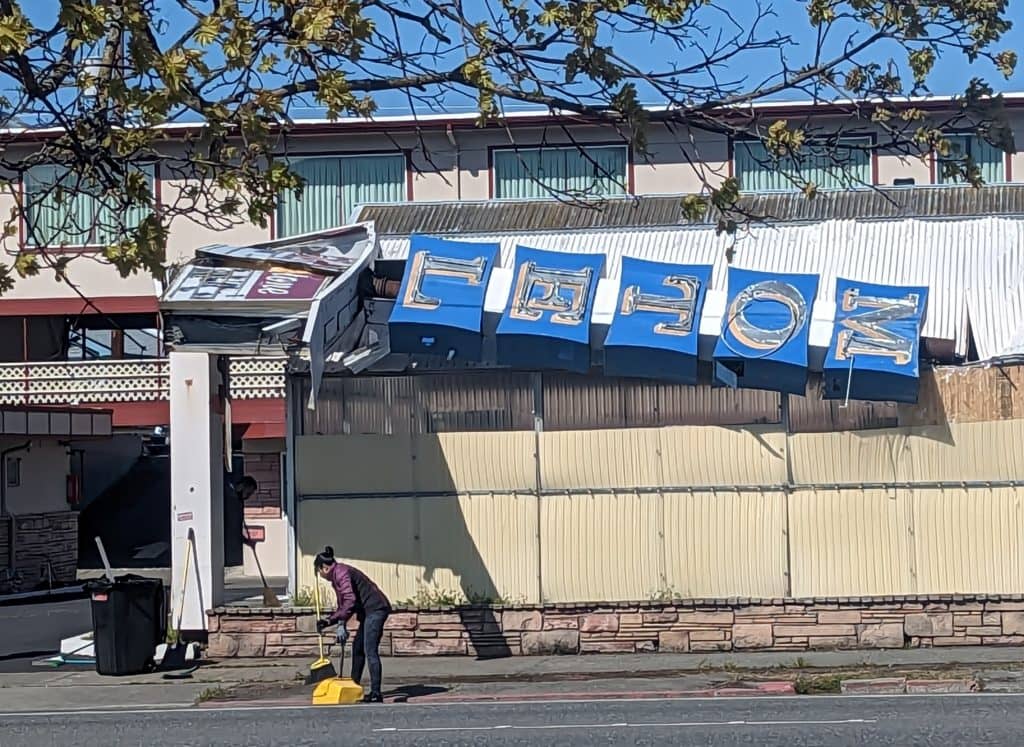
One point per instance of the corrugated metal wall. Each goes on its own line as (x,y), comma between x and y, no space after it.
(481,545)
(628,512)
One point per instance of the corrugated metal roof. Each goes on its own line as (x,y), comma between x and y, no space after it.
(974,268)
(660,211)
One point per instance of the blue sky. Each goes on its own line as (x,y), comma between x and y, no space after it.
(951,75)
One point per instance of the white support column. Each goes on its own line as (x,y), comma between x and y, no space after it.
(197,486)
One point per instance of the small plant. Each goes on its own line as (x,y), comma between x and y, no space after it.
(172,637)
(434,597)
(822,684)
(303,597)
(665,595)
(212,693)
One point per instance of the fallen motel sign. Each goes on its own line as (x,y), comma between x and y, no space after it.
(656,320)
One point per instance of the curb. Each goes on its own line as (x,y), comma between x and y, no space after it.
(903,686)
(759,689)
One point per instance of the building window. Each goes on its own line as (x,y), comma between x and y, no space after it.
(989,159)
(13,472)
(334,186)
(593,171)
(843,165)
(102,344)
(61,210)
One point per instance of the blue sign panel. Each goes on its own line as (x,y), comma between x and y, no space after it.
(657,321)
(440,304)
(874,350)
(765,330)
(546,323)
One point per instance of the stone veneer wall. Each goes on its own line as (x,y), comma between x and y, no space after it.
(690,626)
(39,538)
(266,470)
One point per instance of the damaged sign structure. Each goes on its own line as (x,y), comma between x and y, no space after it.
(558,310)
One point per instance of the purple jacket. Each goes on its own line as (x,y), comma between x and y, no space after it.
(357,594)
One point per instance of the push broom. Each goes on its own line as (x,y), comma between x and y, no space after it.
(321,669)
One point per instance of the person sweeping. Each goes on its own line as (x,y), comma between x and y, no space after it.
(359,596)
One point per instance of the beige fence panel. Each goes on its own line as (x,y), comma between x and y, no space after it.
(725,544)
(713,456)
(353,465)
(969,541)
(600,547)
(377,535)
(850,543)
(601,459)
(469,462)
(480,546)
(949,453)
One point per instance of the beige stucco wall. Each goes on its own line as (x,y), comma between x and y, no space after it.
(44,471)
(677,161)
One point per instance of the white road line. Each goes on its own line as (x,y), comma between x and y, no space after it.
(636,725)
(168,709)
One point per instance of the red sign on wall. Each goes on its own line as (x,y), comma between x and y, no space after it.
(255,534)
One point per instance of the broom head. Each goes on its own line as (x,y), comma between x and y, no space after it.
(320,670)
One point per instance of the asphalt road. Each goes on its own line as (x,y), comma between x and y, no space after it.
(793,722)
(32,631)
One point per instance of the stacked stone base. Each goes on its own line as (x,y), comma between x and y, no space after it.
(683,627)
(45,550)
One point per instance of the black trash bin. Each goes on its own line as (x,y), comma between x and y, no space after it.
(128,623)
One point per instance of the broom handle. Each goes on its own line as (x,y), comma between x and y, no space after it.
(316,601)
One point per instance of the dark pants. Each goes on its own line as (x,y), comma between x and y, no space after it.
(366,649)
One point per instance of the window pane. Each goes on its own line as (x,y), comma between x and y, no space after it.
(598,171)
(105,231)
(367,179)
(991,161)
(318,207)
(843,166)
(59,212)
(141,343)
(513,174)
(335,186)
(64,211)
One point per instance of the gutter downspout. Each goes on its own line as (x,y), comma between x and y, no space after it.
(450,132)
(12,534)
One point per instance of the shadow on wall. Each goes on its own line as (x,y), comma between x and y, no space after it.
(423,545)
(132,517)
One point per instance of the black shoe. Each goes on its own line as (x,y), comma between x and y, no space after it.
(373,698)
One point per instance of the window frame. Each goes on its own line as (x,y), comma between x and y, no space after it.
(630,176)
(935,160)
(23,232)
(870,137)
(406,154)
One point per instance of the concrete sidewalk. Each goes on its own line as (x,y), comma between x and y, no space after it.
(413,678)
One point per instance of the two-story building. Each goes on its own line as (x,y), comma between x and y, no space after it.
(97,340)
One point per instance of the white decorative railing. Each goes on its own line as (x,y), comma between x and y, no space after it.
(76,383)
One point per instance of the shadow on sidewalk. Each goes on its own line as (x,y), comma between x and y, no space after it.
(403,693)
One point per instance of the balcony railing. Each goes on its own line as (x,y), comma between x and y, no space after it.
(77,383)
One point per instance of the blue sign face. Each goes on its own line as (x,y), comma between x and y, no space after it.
(765,331)
(656,326)
(875,342)
(546,323)
(440,304)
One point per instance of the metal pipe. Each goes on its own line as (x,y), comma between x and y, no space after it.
(450,132)
(778,488)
